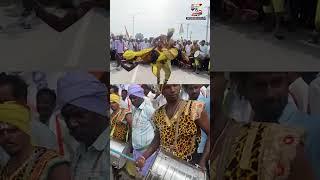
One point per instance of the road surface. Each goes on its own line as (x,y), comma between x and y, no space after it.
(81,46)
(142,74)
(247,48)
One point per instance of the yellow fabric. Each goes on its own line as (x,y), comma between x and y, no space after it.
(156,68)
(164,55)
(115,98)
(131,169)
(189,133)
(170,54)
(16,115)
(317,20)
(130,55)
(257,151)
(276,6)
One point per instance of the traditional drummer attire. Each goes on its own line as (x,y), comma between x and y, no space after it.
(41,161)
(119,126)
(180,135)
(256,151)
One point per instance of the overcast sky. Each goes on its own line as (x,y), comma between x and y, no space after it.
(154,17)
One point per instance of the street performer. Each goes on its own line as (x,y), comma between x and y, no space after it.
(178,128)
(159,56)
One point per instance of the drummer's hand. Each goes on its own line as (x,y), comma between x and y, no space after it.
(140,162)
(202,165)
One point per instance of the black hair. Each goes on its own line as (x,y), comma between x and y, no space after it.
(47,91)
(18,85)
(116,89)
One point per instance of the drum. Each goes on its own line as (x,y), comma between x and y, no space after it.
(196,54)
(122,147)
(167,167)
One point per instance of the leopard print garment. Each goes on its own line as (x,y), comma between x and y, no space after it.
(120,130)
(189,134)
(34,168)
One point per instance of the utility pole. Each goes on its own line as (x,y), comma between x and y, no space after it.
(190,35)
(208,16)
(187,30)
(133,26)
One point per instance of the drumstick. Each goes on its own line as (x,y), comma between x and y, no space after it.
(123,155)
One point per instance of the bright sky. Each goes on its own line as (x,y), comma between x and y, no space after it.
(155,17)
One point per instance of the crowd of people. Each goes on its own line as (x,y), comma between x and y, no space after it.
(276,14)
(63,136)
(191,54)
(147,118)
(266,126)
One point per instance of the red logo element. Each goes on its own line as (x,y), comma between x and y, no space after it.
(288,139)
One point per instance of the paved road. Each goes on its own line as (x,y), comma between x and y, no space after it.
(142,74)
(83,45)
(247,48)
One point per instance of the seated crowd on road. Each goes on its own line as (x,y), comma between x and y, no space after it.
(275,14)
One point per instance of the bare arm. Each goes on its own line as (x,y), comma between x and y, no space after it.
(153,146)
(62,23)
(61,172)
(203,123)
(300,168)
(129,119)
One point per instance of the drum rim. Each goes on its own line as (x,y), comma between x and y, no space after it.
(125,151)
(174,158)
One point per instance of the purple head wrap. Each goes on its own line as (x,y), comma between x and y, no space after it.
(136,90)
(83,90)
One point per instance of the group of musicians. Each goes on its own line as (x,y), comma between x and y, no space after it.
(177,127)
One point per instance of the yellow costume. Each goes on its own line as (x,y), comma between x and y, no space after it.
(276,6)
(163,61)
(119,126)
(256,151)
(180,135)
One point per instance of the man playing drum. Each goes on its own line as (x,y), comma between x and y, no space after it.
(178,128)
(142,127)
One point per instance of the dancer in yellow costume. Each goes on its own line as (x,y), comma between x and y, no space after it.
(159,57)
(274,9)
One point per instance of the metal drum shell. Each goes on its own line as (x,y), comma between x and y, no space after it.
(116,160)
(167,167)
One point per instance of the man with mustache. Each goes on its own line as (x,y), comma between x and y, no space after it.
(83,102)
(272,145)
(190,118)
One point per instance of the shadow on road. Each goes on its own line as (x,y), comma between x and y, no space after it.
(294,41)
